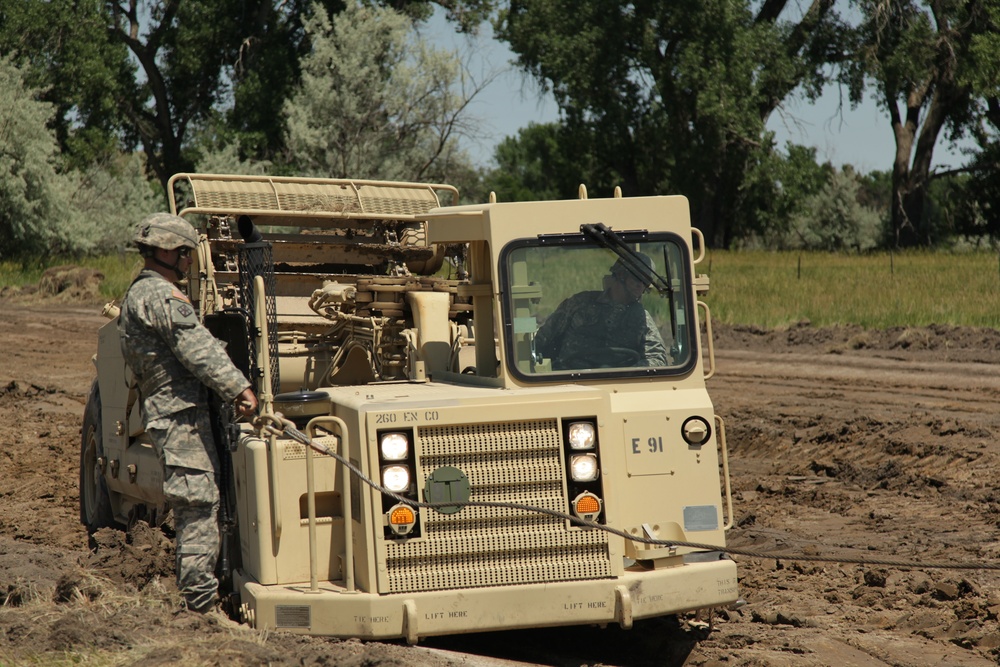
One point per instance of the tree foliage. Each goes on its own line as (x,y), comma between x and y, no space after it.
(923,57)
(65,51)
(30,197)
(674,96)
(375,101)
(45,208)
(532,166)
(833,219)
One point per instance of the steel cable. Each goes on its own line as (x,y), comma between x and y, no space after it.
(288,428)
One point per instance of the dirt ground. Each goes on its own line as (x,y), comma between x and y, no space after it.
(842,443)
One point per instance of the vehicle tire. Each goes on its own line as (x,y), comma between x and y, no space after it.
(95,502)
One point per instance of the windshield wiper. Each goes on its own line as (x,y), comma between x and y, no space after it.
(638,268)
(629,257)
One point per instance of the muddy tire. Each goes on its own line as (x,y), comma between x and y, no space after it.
(95,502)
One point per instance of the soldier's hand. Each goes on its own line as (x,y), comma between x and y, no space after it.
(246,403)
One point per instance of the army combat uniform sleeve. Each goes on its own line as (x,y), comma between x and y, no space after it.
(549,337)
(198,350)
(173,356)
(654,351)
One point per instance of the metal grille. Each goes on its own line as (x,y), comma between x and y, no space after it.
(396,201)
(516,462)
(256,259)
(317,196)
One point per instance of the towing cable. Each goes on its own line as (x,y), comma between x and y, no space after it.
(276,423)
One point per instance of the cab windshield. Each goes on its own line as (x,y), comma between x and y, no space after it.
(574,307)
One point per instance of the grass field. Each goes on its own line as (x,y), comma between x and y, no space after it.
(774,289)
(770,289)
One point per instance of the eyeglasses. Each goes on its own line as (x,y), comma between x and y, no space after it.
(184,252)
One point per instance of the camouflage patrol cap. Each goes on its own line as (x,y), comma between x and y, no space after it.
(163,230)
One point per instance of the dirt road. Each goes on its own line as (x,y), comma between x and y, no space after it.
(842,443)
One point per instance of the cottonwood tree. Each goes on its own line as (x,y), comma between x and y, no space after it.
(675,96)
(375,101)
(65,52)
(157,74)
(976,197)
(920,56)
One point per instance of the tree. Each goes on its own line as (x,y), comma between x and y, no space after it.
(65,52)
(777,191)
(532,166)
(30,196)
(920,56)
(975,199)
(834,219)
(675,95)
(128,73)
(376,102)
(46,209)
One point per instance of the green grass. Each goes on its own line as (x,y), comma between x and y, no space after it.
(914,288)
(768,289)
(118,270)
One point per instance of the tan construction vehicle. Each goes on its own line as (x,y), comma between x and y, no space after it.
(427,460)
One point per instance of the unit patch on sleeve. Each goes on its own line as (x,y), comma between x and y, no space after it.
(182,312)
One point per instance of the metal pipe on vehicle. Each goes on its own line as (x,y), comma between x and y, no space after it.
(267,405)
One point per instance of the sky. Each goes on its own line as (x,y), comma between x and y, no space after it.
(860,137)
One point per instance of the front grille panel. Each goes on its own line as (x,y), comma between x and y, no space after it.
(515,462)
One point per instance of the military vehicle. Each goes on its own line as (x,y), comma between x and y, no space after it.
(420,465)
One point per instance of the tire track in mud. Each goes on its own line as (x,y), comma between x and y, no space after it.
(877,447)
(858,381)
(852,455)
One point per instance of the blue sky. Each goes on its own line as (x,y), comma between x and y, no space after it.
(860,137)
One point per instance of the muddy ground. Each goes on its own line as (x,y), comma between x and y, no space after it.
(842,443)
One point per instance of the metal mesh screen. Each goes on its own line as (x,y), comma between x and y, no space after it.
(319,196)
(516,462)
(256,259)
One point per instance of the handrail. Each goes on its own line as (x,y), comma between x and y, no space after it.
(266,399)
(708,334)
(701,245)
(348,564)
(724,447)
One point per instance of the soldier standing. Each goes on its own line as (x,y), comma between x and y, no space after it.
(176,361)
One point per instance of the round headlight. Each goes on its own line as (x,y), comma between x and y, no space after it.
(396,478)
(581,435)
(583,467)
(394,446)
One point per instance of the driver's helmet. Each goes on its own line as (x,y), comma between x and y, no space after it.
(167,231)
(621,270)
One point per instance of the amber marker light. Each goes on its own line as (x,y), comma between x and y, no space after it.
(587,506)
(402,519)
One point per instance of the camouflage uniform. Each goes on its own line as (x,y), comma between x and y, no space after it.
(583,328)
(176,360)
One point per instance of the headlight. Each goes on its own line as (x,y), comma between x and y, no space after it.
(394,446)
(396,478)
(583,467)
(581,435)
